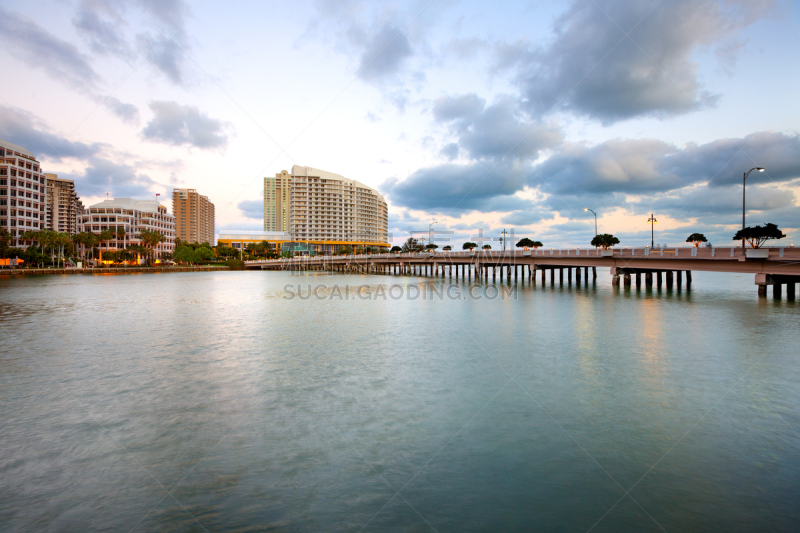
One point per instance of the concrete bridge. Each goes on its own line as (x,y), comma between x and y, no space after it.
(776,266)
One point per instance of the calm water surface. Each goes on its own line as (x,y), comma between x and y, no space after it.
(209,401)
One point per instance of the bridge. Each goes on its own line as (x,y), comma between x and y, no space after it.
(775,266)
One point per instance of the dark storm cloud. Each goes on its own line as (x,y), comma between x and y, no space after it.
(120,180)
(384,53)
(615,59)
(27,130)
(450,151)
(703,201)
(252,209)
(496,131)
(178,125)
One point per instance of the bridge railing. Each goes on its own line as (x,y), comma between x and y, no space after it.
(679,252)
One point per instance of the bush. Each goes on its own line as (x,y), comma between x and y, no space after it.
(235,264)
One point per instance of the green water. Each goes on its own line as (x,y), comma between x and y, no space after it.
(214,401)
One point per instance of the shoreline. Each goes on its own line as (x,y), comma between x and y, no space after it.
(130,270)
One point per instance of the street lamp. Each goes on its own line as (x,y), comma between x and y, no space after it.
(743,184)
(595,220)
(504,233)
(652,221)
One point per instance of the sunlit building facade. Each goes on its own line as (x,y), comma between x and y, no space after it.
(23,193)
(64,206)
(276,202)
(329,211)
(194,216)
(132,216)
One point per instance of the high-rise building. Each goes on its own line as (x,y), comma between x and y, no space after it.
(194,216)
(23,193)
(276,202)
(63,205)
(131,217)
(328,211)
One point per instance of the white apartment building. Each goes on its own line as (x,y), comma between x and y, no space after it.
(23,193)
(133,216)
(327,211)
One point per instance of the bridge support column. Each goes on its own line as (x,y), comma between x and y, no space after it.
(544,278)
(569,276)
(515,273)
(638,279)
(659,279)
(578,275)
(594,273)
(680,278)
(648,279)
(626,279)
(776,290)
(669,279)
(560,276)
(688,278)
(615,279)
(790,291)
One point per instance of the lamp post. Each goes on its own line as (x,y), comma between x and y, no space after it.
(744,181)
(503,240)
(595,219)
(652,221)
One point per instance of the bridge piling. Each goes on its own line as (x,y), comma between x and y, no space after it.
(679,275)
(669,279)
(626,279)
(790,291)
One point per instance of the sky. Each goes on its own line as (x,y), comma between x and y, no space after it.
(480,116)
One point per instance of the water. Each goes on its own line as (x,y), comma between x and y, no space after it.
(208,401)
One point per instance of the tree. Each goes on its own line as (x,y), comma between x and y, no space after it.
(758,235)
(469,246)
(151,239)
(431,246)
(412,245)
(396,249)
(184,254)
(524,243)
(487,246)
(203,253)
(223,251)
(447,248)
(605,240)
(696,239)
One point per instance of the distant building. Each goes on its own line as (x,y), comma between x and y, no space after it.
(328,211)
(241,238)
(133,216)
(63,205)
(276,202)
(23,194)
(194,216)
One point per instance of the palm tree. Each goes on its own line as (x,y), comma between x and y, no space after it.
(151,239)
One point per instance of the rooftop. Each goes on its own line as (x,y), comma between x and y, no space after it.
(16,148)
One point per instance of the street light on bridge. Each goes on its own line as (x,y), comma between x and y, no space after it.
(652,221)
(744,181)
(595,219)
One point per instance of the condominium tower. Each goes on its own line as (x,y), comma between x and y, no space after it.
(194,216)
(328,211)
(276,202)
(23,194)
(63,205)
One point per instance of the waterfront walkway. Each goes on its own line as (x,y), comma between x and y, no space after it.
(126,270)
(776,266)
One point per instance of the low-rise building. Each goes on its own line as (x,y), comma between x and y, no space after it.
(23,192)
(132,216)
(239,239)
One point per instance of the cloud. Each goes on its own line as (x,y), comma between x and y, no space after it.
(129,113)
(524,218)
(120,180)
(30,132)
(384,53)
(496,131)
(58,58)
(103,36)
(617,59)
(450,151)
(178,125)
(165,55)
(252,209)
(451,187)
